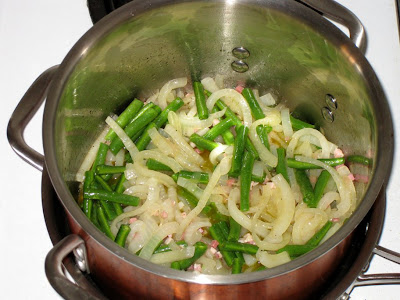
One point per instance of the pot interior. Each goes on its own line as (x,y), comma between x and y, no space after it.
(293,52)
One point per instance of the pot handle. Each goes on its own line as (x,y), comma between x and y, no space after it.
(82,288)
(338,13)
(22,115)
(376,279)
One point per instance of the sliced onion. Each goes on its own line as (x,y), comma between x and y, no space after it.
(221,169)
(209,84)
(173,119)
(268,99)
(174,255)
(192,234)
(238,99)
(215,153)
(126,140)
(258,168)
(162,232)
(190,186)
(167,88)
(195,122)
(286,124)
(90,156)
(183,145)
(265,155)
(272,260)
(323,142)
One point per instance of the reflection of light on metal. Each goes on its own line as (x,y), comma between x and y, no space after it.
(350,57)
(230,2)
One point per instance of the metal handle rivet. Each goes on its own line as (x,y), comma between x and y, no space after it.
(331,101)
(240,66)
(327,114)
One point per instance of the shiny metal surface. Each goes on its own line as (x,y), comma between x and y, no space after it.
(303,56)
(337,12)
(23,113)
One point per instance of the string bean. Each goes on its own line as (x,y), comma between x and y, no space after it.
(245,181)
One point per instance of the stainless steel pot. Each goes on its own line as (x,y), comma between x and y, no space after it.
(318,72)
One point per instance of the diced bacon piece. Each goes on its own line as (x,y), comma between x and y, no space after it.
(253,184)
(215,122)
(168,239)
(271,185)
(164,215)
(198,150)
(197,267)
(183,215)
(239,88)
(361,178)
(339,166)
(230,181)
(201,230)
(218,255)
(247,239)
(351,177)
(313,179)
(335,220)
(338,153)
(132,220)
(214,244)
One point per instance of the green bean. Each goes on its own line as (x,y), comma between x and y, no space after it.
(202,110)
(101,156)
(257,178)
(119,188)
(88,203)
(305,186)
(203,143)
(142,111)
(237,266)
(133,128)
(175,265)
(199,249)
(117,208)
(218,235)
(245,181)
(218,129)
(105,169)
(317,237)
(101,217)
(260,268)
(199,177)
(192,199)
(319,187)
(250,148)
(227,135)
(125,117)
(223,226)
(296,250)
(144,138)
(155,165)
(281,167)
(359,159)
(298,124)
(262,132)
(158,122)
(240,247)
(108,207)
(295,164)
(234,230)
(122,234)
(238,150)
(255,108)
(165,248)
(128,158)
(93,217)
(228,113)
(112,197)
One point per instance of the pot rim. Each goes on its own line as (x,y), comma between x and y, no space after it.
(384,153)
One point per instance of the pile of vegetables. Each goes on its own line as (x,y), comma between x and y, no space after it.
(216,180)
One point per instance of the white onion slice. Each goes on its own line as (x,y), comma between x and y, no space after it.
(272,260)
(286,124)
(209,84)
(162,232)
(90,156)
(167,88)
(323,142)
(174,255)
(238,99)
(126,140)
